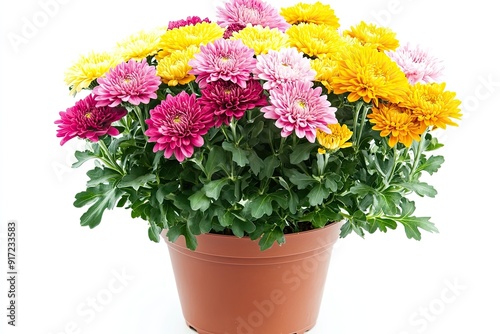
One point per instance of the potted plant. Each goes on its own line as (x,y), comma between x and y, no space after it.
(251,143)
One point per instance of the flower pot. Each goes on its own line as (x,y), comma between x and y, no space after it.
(229,286)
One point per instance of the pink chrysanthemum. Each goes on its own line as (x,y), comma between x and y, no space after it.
(190,20)
(177,125)
(227,100)
(417,64)
(297,106)
(254,12)
(286,65)
(88,121)
(132,82)
(224,59)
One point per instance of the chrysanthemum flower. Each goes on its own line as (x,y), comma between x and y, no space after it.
(300,108)
(174,69)
(88,68)
(254,12)
(280,67)
(140,45)
(432,105)
(396,122)
(315,40)
(417,64)
(224,59)
(326,69)
(190,20)
(316,13)
(88,121)
(261,40)
(380,38)
(367,74)
(132,82)
(177,125)
(231,29)
(182,38)
(227,100)
(338,138)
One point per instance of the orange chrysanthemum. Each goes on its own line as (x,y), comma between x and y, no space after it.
(396,122)
(317,13)
(367,74)
(380,38)
(432,105)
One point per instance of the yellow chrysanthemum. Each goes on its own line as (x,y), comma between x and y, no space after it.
(88,68)
(335,140)
(261,39)
(317,13)
(182,38)
(396,122)
(367,74)
(314,39)
(140,45)
(174,68)
(326,69)
(432,105)
(380,38)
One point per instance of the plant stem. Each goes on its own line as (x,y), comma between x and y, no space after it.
(108,160)
(420,149)
(362,124)
(138,112)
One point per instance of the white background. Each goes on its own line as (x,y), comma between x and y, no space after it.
(384,284)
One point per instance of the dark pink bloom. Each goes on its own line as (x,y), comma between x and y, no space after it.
(226,99)
(88,121)
(232,28)
(190,20)
(177,125)
(224,59)
(298,107)
(254,12)
(132,82)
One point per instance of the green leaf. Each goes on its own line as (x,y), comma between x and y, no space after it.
(318,194)
(82,157)
(154,233)
(240,156)
(213,188)
(421,188)
(166,189)
(270,164)
(387,202)
(138,177)
(260,206)
(256,163)
(102,175)
(301,180)
(269,237)
(199,201)
(240,226)
(331,181)
(431,165)
(301,152)
(105,198)
(214,159)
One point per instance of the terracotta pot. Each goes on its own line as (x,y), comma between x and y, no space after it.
(229,286)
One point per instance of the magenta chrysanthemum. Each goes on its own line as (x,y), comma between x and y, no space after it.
(417,64)
(286,65)
(254,12)
(231,29)
(88,121)
(190,20)
(132,82)
(224,59)
(300,108)
(177,125)
(227,100)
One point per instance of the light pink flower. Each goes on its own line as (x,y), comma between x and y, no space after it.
(417,64)
(88,121)
(286,65)
(254,12)
(177,125)
(224,59)
(227,100)
(300,108)
(132,82)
